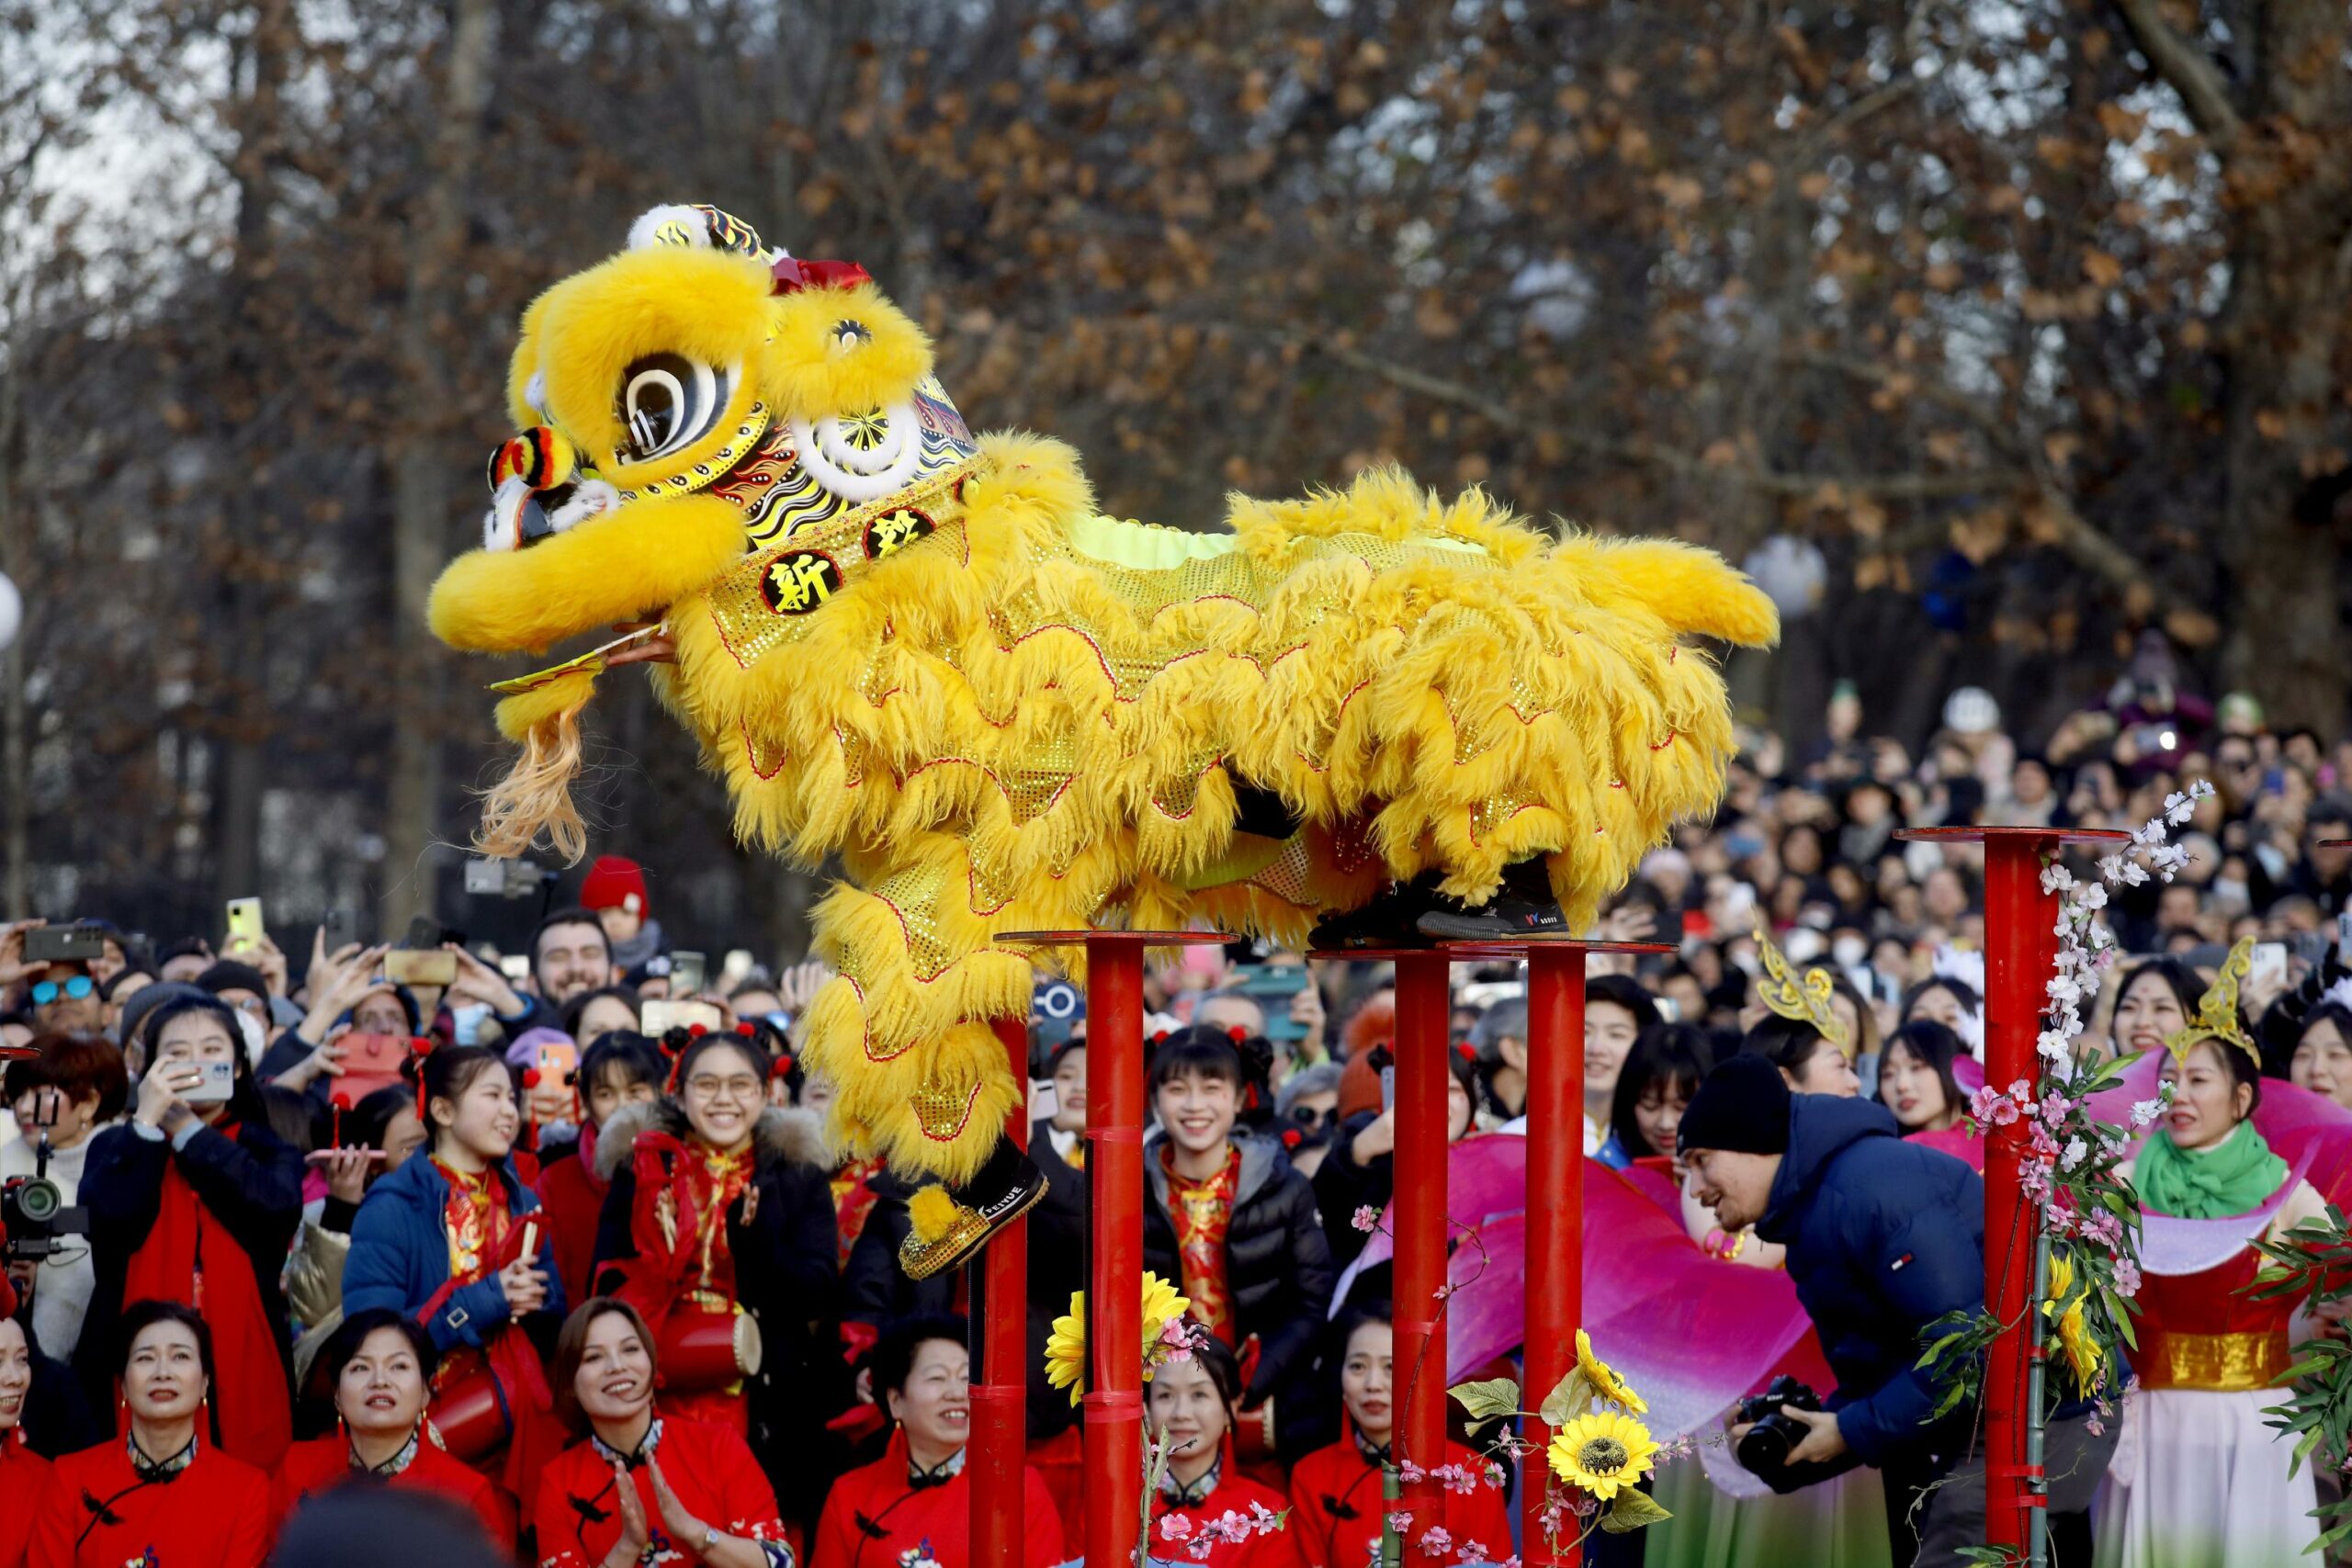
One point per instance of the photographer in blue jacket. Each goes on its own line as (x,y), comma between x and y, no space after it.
(1884,1239)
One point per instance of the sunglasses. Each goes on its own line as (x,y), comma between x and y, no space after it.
(1312,1116)
(79,987)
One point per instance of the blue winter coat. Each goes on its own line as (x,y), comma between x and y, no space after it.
(1884,1237)
(399,1256)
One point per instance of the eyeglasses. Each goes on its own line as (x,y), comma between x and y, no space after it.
(1312,1116)
(701,1088)
(78,987)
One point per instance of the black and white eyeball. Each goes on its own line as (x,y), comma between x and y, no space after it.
(667,402)
(862,457)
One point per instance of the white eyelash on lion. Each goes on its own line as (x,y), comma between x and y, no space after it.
(927,651)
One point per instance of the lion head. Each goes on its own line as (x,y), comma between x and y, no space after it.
(694,396)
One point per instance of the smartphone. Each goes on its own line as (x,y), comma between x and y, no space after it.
(245,927)
(663,1015)
(2343,933)
(2268,975)
(1388,1088)
(423,930)
(213,1088)
(335,930)
(64,944)
(370,1062)
(560,1068)
(737,964)
(686,974)
(321,1157)
(516,966)
(409,966)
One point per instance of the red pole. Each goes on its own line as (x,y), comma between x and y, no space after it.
(1554,1213)
(1000,1393)
(1421,1017)
(2020,950)
(1113,1402)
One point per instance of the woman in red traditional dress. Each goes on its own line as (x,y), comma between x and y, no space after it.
(1917,1081)
(197,1201)
(644,1487)
(718,1229)
(442,1241)
(1336,1507)
(1207,1510)
(915,1499)
(381,1365)
(163,1496)
(23,1474)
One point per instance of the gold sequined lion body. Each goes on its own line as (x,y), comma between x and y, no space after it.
(930,654)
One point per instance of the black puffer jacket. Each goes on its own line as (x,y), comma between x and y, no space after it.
(786,1277)
(1278,1266)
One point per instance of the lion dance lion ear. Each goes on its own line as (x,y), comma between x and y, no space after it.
(698,227)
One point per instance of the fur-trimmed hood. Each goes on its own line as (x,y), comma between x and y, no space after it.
(783,1135)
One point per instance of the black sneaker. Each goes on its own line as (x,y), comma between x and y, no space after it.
(1385,922)
(1501,919)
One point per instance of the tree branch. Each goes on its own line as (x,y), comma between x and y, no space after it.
(2183,66)
(1888,487)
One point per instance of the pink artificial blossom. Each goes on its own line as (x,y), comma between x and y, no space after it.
(1437,1543)
(2126,1277)
(1176,1527)
(1411,1475)
(1401,1521)
(1367,1218)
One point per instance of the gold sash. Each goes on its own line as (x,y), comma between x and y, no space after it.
(2224,1363)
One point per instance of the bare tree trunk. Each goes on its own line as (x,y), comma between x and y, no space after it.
(240,770)
(423,494)
(2289,271)
(16,743)
(2287,197)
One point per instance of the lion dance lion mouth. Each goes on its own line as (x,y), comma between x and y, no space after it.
(929,654)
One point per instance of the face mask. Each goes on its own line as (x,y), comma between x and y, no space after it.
(1850,952)
(465,1023)
(257,1038)
(2226,891)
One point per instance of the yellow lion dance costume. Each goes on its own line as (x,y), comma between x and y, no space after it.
(928,652)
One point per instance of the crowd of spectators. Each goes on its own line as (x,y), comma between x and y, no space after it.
(228,1133)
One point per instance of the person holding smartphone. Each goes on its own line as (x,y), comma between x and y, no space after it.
(196,1202)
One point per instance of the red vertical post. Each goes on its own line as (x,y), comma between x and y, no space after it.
(1423,997)
(999,1442)
(1554,1213)
(1113,1402)
(2020,951)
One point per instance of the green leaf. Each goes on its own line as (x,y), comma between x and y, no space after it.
(1487,1399)
(1571,1399)
(1631,1511)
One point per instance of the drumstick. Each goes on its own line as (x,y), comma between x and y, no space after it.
(530,1240)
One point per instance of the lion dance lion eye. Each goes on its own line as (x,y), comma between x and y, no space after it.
(669,401)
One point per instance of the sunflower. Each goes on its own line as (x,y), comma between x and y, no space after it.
(1604,1381)
(1066,1346)
(1599,1453)
(2084,1353)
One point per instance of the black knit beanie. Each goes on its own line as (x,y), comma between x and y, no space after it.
(1743,1107)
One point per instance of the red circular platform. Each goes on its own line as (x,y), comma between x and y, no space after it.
(1521,947)
(1132,939)
(1968,835)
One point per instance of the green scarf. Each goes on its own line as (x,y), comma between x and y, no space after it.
(2233,1177)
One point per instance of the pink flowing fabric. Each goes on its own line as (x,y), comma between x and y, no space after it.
(1691,1332)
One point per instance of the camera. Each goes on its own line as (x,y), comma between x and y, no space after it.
(1764,1451)
(34,1211)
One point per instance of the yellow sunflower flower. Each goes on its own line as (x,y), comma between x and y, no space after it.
(1601,1452)
(1066,1346)
(2084,1353)
(1604,1379)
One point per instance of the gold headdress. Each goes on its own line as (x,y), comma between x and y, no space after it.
(2217,1009)
(1800,998)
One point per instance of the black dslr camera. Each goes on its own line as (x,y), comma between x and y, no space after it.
(34,1213)
(1764,1451)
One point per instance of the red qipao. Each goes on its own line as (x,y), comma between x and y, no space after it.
(24,1474)
(1335,1508)
(880,1511)
(710,1468)
(1228,1492)
(100,1512)
(323,1464)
